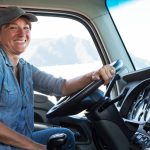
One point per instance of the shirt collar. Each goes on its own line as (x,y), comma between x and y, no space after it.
(7,61)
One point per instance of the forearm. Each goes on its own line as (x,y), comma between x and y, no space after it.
(76,84)
(105,73)
(12,138)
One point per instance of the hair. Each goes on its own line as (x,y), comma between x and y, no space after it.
(27,21)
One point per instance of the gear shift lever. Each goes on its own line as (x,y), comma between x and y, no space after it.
(56,141)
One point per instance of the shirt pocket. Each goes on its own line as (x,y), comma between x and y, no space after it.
(8,96)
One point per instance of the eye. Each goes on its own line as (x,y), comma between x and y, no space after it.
(13,27)
(27,28)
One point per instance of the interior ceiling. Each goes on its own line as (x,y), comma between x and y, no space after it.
(92,7)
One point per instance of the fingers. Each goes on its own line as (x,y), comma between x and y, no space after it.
(106,73)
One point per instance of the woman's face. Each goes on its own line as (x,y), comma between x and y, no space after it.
(15,36)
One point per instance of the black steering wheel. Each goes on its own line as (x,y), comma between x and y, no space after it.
(69,105)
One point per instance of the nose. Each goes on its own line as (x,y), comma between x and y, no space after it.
(21,31)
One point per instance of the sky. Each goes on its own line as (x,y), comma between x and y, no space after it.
(133,21)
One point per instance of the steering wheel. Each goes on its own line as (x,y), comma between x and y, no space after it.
(69,104)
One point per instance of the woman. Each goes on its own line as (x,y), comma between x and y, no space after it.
(18,80)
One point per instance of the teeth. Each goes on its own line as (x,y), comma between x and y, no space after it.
(20,41)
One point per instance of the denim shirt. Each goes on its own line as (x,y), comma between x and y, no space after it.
(17,98)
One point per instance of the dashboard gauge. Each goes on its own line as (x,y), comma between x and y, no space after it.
(140,110)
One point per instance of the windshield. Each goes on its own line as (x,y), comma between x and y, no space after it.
(132,19)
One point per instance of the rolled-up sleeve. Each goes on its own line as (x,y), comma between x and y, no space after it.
(47,83)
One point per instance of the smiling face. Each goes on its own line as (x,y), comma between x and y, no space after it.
(15,36)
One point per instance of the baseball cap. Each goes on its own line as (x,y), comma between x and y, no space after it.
(11,13)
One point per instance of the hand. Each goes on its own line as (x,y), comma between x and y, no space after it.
(37,146)
(41,147)
(105,73)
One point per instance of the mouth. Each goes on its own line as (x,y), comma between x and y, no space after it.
(20,41)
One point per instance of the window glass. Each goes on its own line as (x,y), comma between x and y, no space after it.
(132,19)
(62,47)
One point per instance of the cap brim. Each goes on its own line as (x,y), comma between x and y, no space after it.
(30,17)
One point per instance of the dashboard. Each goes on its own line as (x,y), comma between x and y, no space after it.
(140,109)
(135,107)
